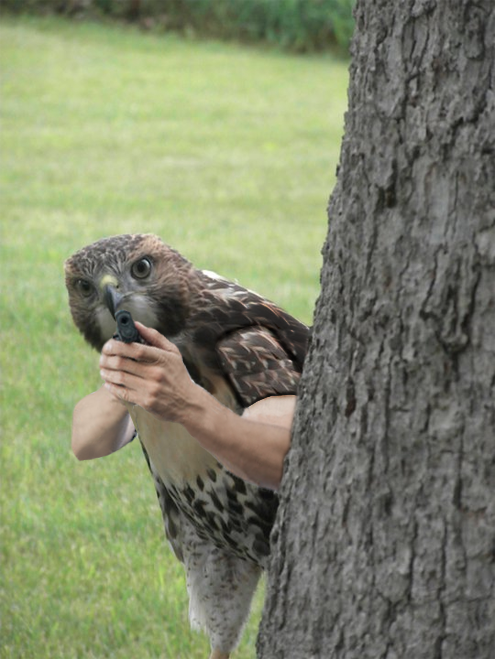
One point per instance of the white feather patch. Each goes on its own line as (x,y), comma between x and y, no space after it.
(214,275)
(141,310)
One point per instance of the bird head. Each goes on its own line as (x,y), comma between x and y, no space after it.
(138,273)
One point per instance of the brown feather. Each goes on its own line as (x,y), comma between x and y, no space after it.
(241,348)
(257,365)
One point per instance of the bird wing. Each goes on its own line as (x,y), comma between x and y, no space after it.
(257,364)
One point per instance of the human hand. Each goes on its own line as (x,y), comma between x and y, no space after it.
(152,376)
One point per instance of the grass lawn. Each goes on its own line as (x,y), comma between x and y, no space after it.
(228,153)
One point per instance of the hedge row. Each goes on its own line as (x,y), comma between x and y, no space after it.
(301,25)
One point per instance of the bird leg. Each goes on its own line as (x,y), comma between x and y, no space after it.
(218,654)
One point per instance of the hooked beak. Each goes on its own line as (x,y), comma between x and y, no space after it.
(112,298)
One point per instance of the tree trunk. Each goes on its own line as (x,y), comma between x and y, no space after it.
(385,541)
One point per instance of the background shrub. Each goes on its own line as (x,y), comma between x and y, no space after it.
(298,25)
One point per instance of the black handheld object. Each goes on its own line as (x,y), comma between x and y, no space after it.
(126,330)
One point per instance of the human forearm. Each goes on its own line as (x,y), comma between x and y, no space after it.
(253,447)
(154,377)
(100,425)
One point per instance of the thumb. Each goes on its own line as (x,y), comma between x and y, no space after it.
(154,338)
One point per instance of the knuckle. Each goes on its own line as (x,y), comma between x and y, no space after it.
(152,396)
(139,351)
(154,392)
(117,362)
(112,347)
(159,375)
(124,394)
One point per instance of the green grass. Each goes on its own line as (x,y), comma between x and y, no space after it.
(228,153)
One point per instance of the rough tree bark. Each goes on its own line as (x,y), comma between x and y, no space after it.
(385,541)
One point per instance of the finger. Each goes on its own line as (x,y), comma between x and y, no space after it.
(154,338)
(120,393)
(136,351)
(122,380)
(127,394)
(112,347)
(124,364)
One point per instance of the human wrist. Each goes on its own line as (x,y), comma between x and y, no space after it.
(194,406)
(200,417)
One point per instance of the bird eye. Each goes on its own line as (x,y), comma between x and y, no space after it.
(84,287)
(141,269)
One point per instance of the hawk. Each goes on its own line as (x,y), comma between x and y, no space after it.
(238,346)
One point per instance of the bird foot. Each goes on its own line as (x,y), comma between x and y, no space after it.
(217,654)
